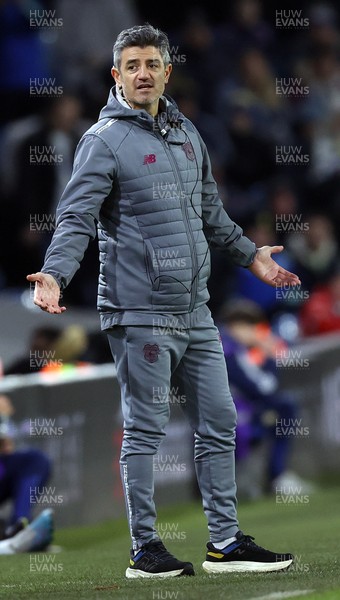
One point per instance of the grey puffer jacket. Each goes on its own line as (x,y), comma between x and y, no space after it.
(147,186)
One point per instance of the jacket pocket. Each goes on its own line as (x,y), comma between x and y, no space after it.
(151,264)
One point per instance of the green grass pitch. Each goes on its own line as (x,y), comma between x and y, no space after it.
(92,563)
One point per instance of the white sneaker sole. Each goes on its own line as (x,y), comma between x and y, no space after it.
(136,573)
(244,566)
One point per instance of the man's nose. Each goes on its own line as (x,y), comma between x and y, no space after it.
(143,72)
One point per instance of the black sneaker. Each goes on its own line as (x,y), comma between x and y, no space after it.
(153,560)
(244,555)
(12,530)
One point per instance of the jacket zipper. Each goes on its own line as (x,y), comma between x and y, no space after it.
(184,208)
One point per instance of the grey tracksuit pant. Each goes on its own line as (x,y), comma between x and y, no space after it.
(149,359)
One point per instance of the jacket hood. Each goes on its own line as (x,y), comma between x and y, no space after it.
(115,110)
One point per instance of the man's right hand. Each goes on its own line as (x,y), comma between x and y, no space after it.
(46,293)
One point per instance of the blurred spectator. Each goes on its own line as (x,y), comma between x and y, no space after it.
(321,313)
(42,165)
(250,349)
(257,120)
(284,207)
(323,31)
(23,473)
(245,28)
(40,345)
(269,299)
(251,163)
(24,55)
(253,88)
(68,350)
(98,350)
(322,106)
(84,62)
(315,251)
(194,50)
(53,349)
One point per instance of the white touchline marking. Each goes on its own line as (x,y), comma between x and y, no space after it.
(280,595)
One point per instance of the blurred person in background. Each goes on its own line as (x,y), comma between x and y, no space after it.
(197,57)
(284,208)
(25,54)
(270,299)
(141,147)
(52,349)
(315,250)
(69,350)
(244,28)
(253,87)
(24,474)
(256,120)
(251,348)
(321,72)
(321,312)
(84,66)
(250,163)
(98,350)
(40,345)
(323,34)
(41,165)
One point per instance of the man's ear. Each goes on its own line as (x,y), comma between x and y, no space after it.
(168,70)
(115,75)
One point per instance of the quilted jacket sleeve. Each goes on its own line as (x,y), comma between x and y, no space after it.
(78,210)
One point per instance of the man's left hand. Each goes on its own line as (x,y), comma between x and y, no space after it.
(268,271)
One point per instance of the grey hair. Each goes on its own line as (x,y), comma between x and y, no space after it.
(141,36)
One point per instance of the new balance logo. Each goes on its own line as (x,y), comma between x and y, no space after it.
(149,158)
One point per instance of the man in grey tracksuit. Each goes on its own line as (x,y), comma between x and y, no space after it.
(142,179)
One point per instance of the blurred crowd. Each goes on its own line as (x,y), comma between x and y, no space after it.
(264,95)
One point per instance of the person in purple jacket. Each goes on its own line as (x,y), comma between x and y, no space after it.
(23,475)
(255,383)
